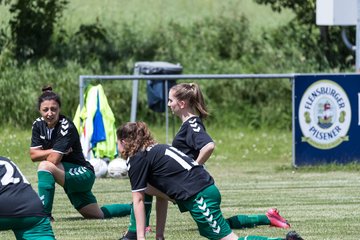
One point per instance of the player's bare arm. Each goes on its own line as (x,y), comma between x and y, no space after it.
(161,213)
(54,157)
(205,153)
(38,154)
(139,209)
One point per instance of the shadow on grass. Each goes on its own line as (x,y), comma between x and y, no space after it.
(67,219)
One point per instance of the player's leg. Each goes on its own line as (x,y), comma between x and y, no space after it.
(33,228)
(205,210)
(116,210)
(78,184)
(131,232)
(259,238)
(271,218)
(48,173)
(289,236)
(86,204)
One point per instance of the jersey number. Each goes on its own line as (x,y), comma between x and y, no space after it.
(9,174)
(177,156)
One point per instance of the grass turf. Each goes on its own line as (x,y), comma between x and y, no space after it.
(253,172)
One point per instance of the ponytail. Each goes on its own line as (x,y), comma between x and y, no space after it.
(191,92)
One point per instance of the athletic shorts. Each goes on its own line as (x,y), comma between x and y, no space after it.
(29,228)
(79,181)
(205,210)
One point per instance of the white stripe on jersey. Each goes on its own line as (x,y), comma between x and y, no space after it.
(178,159)
(138,190)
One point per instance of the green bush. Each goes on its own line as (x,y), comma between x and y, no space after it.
(223,45)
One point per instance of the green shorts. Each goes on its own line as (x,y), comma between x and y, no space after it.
(78,184)
(29,228)
(205,210)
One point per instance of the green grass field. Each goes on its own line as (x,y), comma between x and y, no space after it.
(253,172)
(153,13)
(251,168)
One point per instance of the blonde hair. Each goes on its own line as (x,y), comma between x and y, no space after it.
(191,92)
(137,137)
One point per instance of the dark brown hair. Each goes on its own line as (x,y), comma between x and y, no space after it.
(48,94)
(137,137)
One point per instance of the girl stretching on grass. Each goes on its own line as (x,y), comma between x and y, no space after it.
(180,178)
(186,101)
(55,144)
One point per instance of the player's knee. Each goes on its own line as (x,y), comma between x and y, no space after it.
(46,166)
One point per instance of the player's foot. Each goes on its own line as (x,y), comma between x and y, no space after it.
(293,236)
(125,238)
(129,235)
(276,220)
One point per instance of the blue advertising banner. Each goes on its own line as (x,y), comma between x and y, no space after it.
(326,127)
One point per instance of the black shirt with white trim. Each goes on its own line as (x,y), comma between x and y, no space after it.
(191,137)
(17,197)
(60,138)
(169,170)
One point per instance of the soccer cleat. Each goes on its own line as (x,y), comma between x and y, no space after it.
(129,236)
(276,220)
(293,236)
(132,235)
(125,238)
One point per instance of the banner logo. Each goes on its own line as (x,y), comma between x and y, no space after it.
(324,115)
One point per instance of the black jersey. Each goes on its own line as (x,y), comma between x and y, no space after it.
(192,137)
(61,138)
(169,170)
(17,197)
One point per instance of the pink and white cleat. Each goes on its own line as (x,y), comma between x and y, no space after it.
(276,220)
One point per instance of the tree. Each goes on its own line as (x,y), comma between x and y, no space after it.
(32,25)
(328,39)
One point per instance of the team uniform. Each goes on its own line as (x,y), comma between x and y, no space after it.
(182,179)
(20,207)
(79,173)
(192,137)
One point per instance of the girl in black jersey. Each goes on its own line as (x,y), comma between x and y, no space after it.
(20,207)
(55,144)
(187,102)
(178,178)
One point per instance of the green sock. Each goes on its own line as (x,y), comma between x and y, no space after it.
(258,238)
(116,210)
(148,203)
(132,223)
(247,221)
(46,189)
